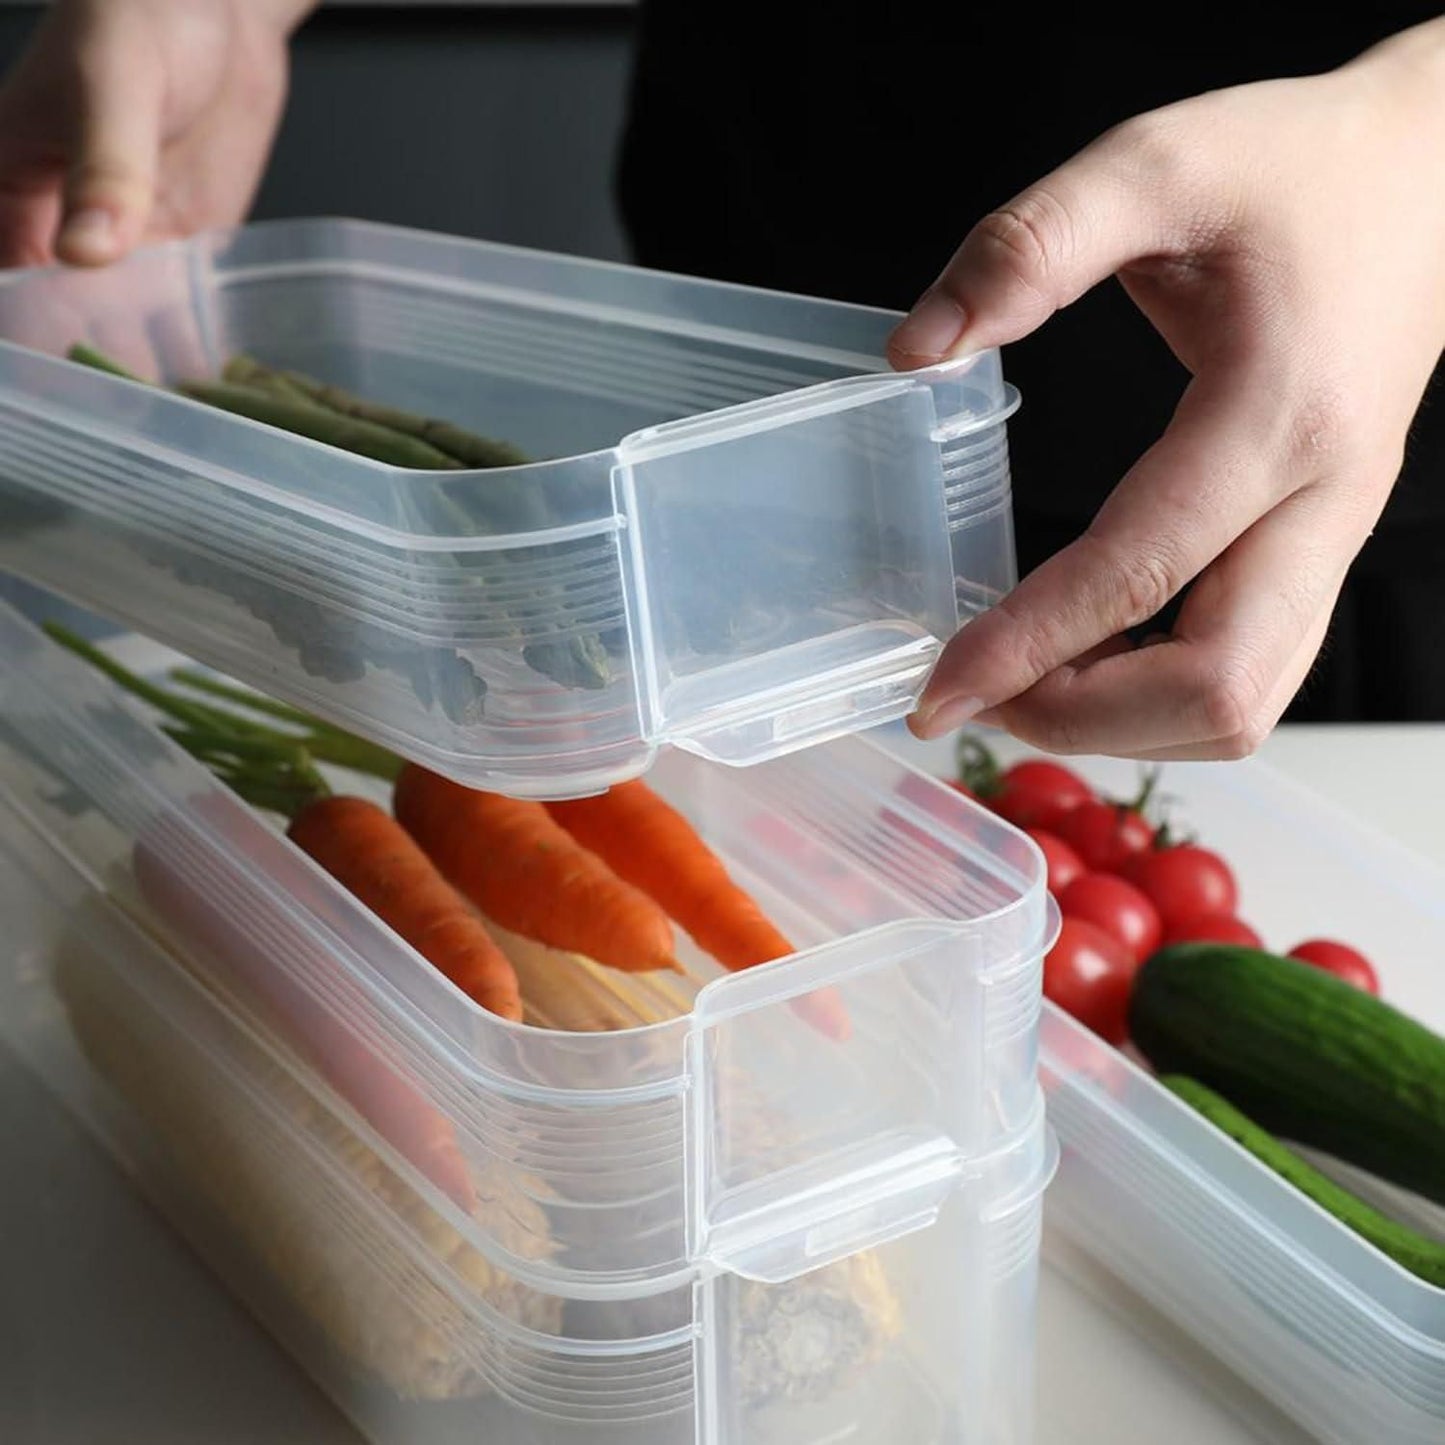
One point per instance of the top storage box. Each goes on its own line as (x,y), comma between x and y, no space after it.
(740,534)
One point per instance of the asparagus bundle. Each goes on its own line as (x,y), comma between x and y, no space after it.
(460,447)
(335,645)
(294,402)
(305,418)
(723,590)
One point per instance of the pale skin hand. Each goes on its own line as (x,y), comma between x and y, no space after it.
(138,120)
(1287,240)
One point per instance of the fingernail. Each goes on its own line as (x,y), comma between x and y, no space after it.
(91,232)
(931,329)
(945,717)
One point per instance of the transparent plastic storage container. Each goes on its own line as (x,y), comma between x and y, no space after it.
(1338,1336)
(725,1229)
(740,534)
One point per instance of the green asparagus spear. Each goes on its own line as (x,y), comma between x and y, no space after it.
(93,357)
(348,433)
(329,414)
(246,371)
(466,447)
(575,661)
(515,508)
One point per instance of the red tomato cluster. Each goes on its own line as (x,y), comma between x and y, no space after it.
(1123,889)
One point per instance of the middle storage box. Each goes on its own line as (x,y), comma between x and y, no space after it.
(722,1228)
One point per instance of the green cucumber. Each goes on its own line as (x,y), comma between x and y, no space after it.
(1422,1256)
(1308,1057)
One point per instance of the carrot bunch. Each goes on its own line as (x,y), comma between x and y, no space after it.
(375,1084)
(374,858)
(647,842)
(651,845)
(370,854)
(601,881)
(530,875)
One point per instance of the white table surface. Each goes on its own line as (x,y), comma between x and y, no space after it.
(111,1333)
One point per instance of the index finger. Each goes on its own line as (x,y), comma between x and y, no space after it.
(1223,462)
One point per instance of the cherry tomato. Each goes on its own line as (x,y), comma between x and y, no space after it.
(1105,835)
(1184,882)
(1214,928)
(1063,863)
(1089,973)
(1339,959)
(1036,793)
(1116,906)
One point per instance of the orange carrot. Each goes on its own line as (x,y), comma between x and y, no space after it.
(376,1086)
(370,855)
(652,846)
(376,860)
(528,874)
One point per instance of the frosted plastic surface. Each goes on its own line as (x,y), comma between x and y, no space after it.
(720,1231)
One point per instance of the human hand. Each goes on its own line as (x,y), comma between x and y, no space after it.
(136,120)
(1287,239)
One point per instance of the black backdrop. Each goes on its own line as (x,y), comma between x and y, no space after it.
(484,121)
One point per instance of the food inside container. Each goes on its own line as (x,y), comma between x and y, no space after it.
(470,1211)
(1209,1102)
(526,519)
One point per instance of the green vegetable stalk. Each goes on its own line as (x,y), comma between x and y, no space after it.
(96,359)
(464,447)
(350,434)
(339,648)
(577,660)
(245,371)
(222,735)
(562,628)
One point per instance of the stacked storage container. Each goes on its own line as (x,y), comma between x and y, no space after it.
(722,1227)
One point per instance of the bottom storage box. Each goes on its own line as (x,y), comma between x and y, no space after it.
(899,1307)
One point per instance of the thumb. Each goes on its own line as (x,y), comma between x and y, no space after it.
(1044,249)
(109,190)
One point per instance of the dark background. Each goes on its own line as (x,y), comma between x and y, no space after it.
(503,123)
(494,122)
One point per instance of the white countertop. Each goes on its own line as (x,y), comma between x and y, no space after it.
(111,1333)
